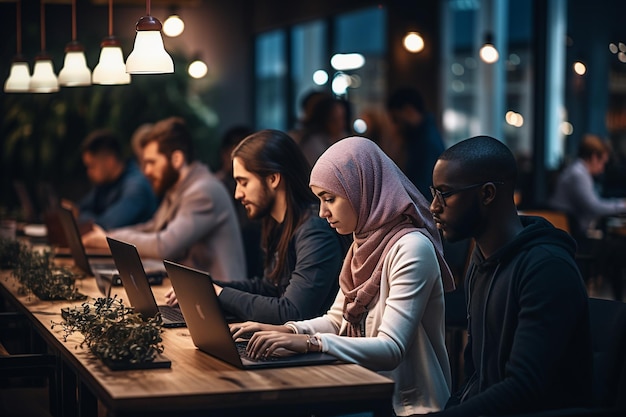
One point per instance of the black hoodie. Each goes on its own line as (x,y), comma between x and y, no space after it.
(529,345)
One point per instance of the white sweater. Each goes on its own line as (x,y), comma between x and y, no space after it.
(405,328)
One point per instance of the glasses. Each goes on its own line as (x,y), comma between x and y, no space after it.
(442,195)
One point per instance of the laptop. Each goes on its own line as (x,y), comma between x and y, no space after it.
(137,287)
(209,329)
(102,266)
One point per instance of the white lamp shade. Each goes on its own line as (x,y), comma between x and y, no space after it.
(149,55)
(111,69)
(75,71)
(19,78)
(44,79)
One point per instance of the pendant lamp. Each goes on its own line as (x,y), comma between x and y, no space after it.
(19,76)
(111,69)
(149,55)
(173,25)
(488,52)
(75,71)
(44,80)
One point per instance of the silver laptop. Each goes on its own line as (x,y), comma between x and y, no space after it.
(208,327)
(102,266)
(137,287)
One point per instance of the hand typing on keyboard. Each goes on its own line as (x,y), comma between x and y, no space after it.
(246,329)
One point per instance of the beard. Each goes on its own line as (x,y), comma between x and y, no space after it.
(464,227)
(169,177)
(261,208)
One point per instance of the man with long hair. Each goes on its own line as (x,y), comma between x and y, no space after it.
(303,255)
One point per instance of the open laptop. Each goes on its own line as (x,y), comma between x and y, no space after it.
(208,327)
(101,266)
(137,287)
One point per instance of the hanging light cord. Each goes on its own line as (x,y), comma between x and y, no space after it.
(74,20)
(110,18)
(42,15)
(18,25)
(148,7)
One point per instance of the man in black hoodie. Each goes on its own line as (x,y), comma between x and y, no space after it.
(529,345)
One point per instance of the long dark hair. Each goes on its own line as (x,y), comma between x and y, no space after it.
(267,152)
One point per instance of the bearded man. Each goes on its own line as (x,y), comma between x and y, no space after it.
(196,222)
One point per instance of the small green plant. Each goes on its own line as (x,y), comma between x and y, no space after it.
(37,274)
(113,332)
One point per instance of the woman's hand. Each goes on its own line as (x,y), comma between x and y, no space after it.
(246,329)
(264,344)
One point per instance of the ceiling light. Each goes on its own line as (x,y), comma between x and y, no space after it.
(19,76)
(197,69)
(149,55)
(488,53)
(44,80)
(173,25)
(346,62)
(413,42)
(75,71)
(111,69)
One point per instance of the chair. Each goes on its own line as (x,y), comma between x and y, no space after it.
(585,259)
(559,219)
(22,389)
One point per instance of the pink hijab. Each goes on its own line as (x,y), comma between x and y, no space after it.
(388,206)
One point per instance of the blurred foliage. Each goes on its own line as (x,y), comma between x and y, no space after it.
(41,133)
(37,274)
(114,332)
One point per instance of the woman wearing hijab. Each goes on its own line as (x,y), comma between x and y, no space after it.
(389,314)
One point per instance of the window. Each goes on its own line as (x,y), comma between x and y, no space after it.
(287,60)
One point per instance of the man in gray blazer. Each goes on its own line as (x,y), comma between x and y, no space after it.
(196,223)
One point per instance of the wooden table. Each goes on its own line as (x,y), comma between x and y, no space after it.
(196,383)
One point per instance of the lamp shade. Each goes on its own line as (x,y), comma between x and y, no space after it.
(111,69)
(149,55)
(44,79)
(75,71)
(19,77)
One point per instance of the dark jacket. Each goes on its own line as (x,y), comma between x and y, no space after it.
(308,288)
(529,345)
(127,201)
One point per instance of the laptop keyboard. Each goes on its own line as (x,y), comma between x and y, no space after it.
(241,349)
(171,314)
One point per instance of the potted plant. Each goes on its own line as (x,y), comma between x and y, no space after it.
(37,274)
(116,334)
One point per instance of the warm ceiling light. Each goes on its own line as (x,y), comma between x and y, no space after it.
(173,25)
(346,62)
(111,69)
(44,80)
(197,69)
(488,53)
(149,55)
(19,76)
(580,68)
(75,71)
(413,42)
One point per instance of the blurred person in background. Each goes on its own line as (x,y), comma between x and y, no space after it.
(420,142)
(196,223)
(121,194)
